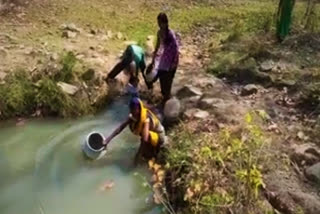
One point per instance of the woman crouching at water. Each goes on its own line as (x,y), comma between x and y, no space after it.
(144,123)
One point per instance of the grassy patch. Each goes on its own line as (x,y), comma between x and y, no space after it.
(248,31)
(214,173)
(135,19)
(52,99)
(68,62)
(17,95)
(20,96)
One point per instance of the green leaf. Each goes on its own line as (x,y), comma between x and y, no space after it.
(248,118)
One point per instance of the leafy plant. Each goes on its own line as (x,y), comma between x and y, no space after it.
(217,172)
(51,98)
(68,62)
(17,95)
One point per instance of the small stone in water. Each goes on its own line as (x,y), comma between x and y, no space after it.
(107,186)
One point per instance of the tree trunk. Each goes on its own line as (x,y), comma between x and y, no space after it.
(284,18)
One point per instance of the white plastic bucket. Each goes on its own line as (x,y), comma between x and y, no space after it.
(93,146)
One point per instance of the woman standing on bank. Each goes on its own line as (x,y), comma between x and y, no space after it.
(166,56)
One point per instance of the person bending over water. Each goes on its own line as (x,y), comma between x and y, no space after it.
(144,123)
(132,61)
(166,57)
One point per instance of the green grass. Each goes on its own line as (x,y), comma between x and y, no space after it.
(135,19)
(214,172)
(17,95)
(20,96)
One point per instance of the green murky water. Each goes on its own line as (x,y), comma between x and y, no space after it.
(42,168)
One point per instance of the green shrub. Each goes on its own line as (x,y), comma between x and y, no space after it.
(17,95)
(214,173)
(51,98)
(68,62)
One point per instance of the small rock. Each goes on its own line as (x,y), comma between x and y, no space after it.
(302,136)
(63,26)
(109,34)
(80,56)
(201,114)
(208,103)
(196,113)
(70,27)
(69,34)
(267,65)
(190,102)
(20,122)
(305,153)
(119,35)
(207,82)
(100,48)
(313,173)
(89,35)
(54,57)
(189,113)
(172,109)
(29,51)
(68,88)
(104,38)
(37,113)
(273,127)
(189,91)
(249,89)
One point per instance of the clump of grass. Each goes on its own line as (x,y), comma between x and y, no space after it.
(214,173)
(51,98)
(17,95)
(68,62)
(21,97)
(223,62)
